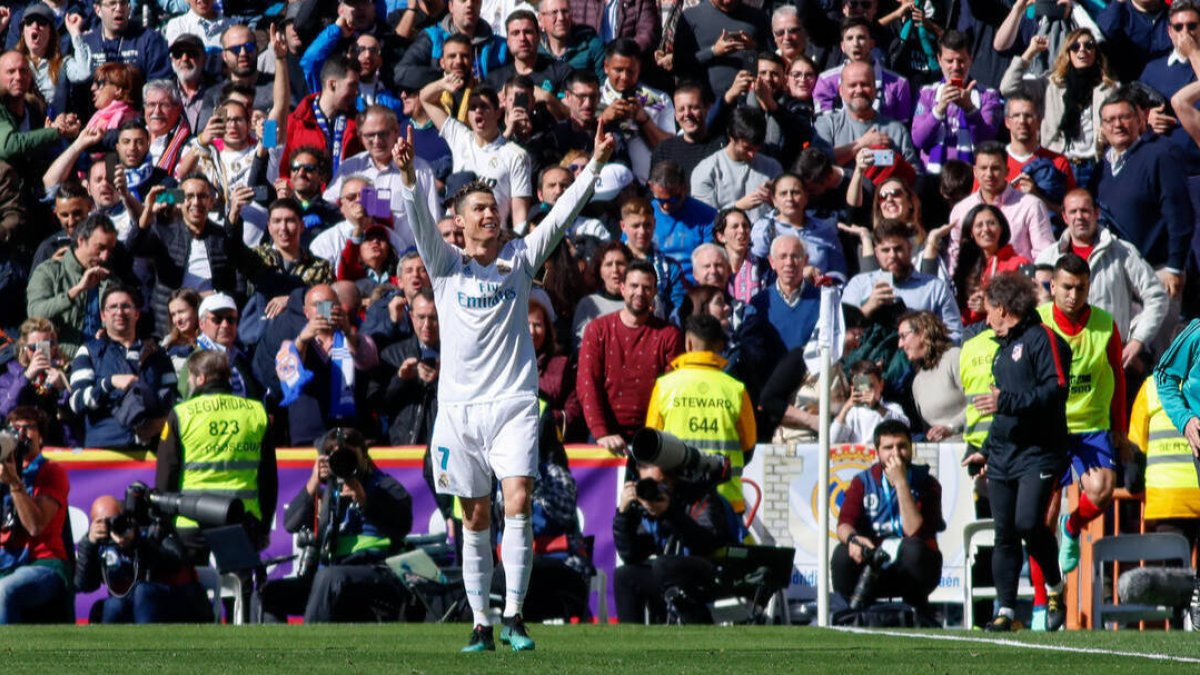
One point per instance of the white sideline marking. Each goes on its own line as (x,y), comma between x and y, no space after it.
(1016,643)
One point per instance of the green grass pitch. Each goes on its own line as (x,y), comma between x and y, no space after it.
(422,648)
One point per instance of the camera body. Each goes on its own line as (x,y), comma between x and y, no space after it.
(13,443)
(876,559)
(343,459)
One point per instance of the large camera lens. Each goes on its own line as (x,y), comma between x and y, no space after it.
(343,462)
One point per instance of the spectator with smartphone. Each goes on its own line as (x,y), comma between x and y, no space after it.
(37,377)
(858,126)
(955,115)
(738,175)
(894,96)
(720,37)
(865,408)
(641,115)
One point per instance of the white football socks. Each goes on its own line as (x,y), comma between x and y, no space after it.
(516,553)
(477,572)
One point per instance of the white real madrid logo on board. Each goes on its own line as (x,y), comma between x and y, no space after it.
(1017,352)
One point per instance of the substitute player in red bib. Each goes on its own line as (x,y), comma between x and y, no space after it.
(487,420)
(1096,418)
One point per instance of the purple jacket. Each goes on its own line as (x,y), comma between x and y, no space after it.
(893,93)
(637,19)
(956,135)
(16,390)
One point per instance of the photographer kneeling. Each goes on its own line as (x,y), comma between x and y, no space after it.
(678,516)
(889,521)
(366,520)
(143,568)
(33,556)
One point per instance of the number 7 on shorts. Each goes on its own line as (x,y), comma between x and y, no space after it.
(445,453)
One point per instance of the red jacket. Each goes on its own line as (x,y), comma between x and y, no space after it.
(302,129)
(1005,260)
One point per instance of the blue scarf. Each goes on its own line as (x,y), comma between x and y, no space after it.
(11,559)
(333,141)
(291,373)
(137,176)
(341,379)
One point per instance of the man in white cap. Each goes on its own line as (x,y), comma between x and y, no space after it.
(218,333)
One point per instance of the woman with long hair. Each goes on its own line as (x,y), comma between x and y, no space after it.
(710,300)
(985,252)
(1072,91)
(732,230)
(37,377)
(894,199)
(605,273)
(182,309)
(936,388)
(52,72)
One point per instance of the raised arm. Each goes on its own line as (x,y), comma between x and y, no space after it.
(437,254)
(431,97)
(550,231)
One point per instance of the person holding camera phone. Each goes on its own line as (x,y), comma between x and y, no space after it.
(33,511)
(141,568)
(37,377)
(865,409)
(888,526)
(362,516)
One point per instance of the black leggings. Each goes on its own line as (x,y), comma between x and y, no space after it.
(1019,509)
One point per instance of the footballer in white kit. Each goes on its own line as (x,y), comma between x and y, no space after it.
(486,426)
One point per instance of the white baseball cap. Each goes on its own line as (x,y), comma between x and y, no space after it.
(217,302)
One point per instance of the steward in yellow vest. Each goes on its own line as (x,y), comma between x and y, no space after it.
(217,443)
(1172,490)
(705,407)
(975,369)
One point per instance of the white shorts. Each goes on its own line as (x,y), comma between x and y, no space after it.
(473,442)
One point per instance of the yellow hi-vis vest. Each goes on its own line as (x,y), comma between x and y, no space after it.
(1172,490)
(1092,379)
(220,439)
(708,410)
(975,368)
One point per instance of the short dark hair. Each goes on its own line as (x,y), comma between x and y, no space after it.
(812,165)
(288,203)
(135,124)
(892,228)
(854,22)
(626,47)
(96,221)
(993,148)
(866,367)
(465,191)
(748,124)
(707,329)
(320,154)
(694,87)
(1022,96)
(115,288)
(580,77)
(457,39)
(1073,264)
(196,175)
(518,81)
(955,41)
(891,428)
(643,266)
(522,14)
(488,93)
(1124,94)
(1013,292)
(669,175)
(72,189)
(767,56)
(337,67)
(25,413)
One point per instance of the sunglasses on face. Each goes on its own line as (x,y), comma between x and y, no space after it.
(185,53)
(373,51)
(310,168)
(247,48)
(787,31)
(1188,26)
(892,194)
(228,318)
(1083,46)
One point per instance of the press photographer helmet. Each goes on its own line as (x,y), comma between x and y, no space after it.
(673,456)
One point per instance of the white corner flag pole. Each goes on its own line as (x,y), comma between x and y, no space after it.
(826,323)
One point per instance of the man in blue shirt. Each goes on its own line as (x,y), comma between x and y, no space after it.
(681,222)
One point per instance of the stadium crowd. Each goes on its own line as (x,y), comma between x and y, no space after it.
(205,176)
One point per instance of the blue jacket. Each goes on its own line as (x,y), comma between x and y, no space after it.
(146,49)
(95,399)
(491,50)
(323,46)
(1148,201)
(1178,390)
(678,234)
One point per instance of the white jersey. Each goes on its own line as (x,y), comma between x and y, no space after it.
(502,164)
(486,350)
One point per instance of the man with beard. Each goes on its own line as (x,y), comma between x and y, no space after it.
(895,96)
(110,195)
(188,61)
(240,52)
(621,357)
(22,136)
(486,49)
(523,37)
(364,48)
(696,142)
(309,173)
(857,126)
(117,39)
